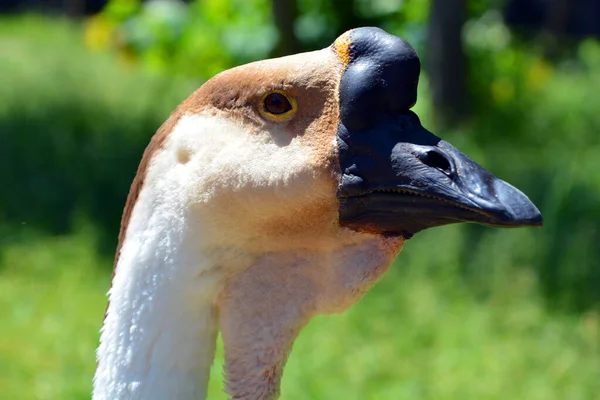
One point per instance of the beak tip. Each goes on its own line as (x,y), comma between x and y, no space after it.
(538,220)
(535,220)
(526,215)
(524,211)
(520,209)
(520,219)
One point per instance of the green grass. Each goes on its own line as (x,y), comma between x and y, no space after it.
(413,337)
(51,294)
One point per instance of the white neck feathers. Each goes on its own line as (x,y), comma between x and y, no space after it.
(159,334)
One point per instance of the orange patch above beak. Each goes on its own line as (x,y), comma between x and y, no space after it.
(342,48)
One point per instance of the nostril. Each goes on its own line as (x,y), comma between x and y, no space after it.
(437,160)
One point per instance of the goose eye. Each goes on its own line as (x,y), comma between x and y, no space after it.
(277,106)
(277,103)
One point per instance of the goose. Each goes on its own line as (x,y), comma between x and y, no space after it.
(279,190)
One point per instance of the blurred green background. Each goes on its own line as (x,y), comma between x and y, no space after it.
(466,312)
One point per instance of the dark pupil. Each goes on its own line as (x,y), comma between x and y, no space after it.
(276,103)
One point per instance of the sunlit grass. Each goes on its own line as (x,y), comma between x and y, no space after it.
(52,297)
(413,337)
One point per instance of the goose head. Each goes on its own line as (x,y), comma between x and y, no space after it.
(278,191)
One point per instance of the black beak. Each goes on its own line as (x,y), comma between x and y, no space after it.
(397,177)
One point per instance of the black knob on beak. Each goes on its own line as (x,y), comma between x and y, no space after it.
(381,77)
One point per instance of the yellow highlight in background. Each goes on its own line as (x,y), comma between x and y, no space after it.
(98,33)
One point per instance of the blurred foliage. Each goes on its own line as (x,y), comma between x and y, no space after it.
(198,39)
(540,121)
(72,126)
(204,37)
(468,312)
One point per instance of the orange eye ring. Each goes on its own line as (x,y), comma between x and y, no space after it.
(277,106)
